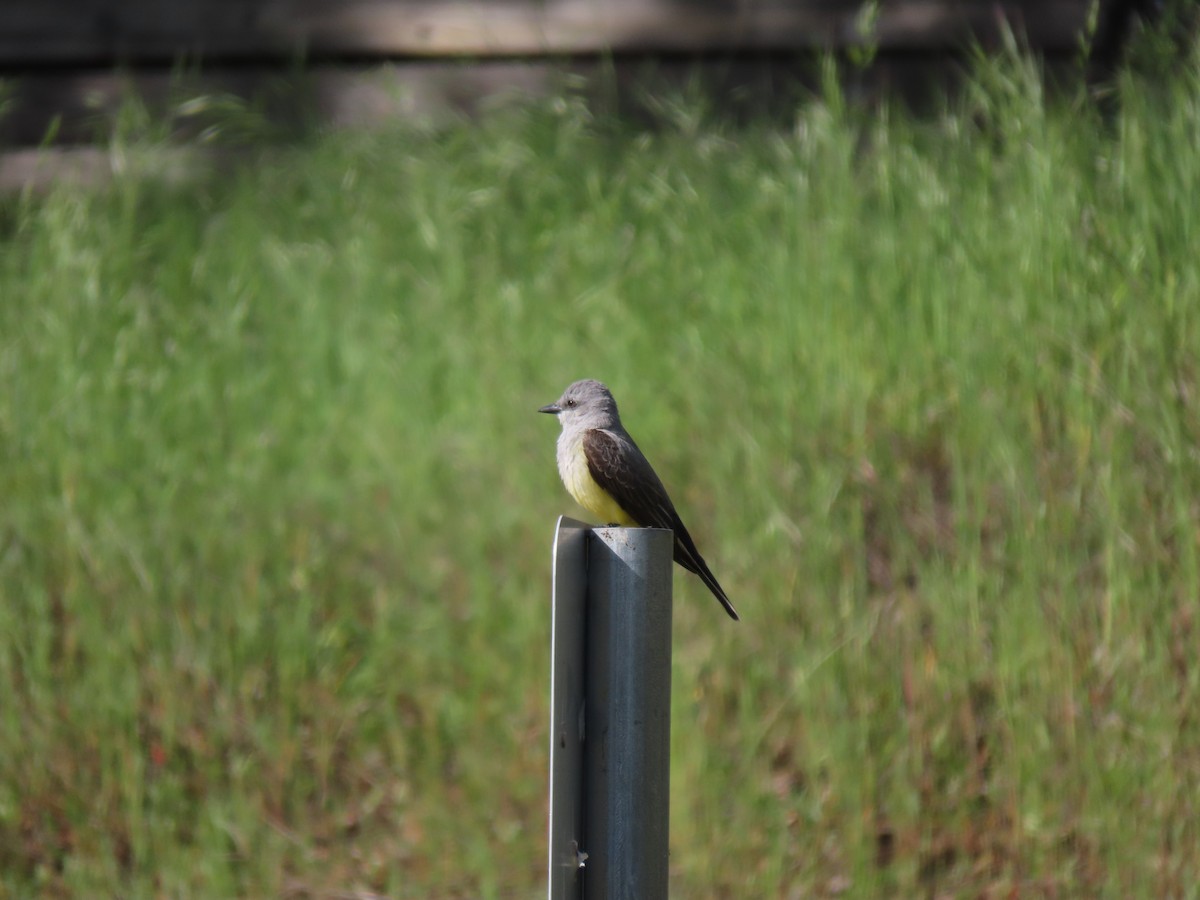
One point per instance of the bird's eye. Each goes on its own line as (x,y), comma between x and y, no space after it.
(570,403)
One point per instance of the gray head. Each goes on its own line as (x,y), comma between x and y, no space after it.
(587,403)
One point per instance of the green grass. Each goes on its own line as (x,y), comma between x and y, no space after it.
(277,507)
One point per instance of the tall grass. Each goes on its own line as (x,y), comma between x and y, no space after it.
(277,509)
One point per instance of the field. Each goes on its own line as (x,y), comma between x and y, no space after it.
(277,506)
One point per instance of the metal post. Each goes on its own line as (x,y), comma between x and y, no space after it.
(569,589)
(609,796)
(627,751)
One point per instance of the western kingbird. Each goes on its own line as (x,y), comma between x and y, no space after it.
(606,473)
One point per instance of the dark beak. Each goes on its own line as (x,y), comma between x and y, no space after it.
(553,409)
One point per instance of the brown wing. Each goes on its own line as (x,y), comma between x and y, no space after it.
(619,467)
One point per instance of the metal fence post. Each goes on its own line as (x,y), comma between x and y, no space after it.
(569,589)
(617,831)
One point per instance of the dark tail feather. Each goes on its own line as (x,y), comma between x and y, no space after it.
(689,557)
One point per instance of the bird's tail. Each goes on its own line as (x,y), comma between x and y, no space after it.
(689,557)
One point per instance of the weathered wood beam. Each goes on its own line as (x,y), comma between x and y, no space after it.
(66,31)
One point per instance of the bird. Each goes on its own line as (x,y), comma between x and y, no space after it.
(607,474)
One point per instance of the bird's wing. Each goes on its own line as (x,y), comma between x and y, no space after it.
(618,466)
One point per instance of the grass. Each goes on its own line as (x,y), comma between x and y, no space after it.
(277,505)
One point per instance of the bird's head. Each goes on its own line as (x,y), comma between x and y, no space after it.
(586,402)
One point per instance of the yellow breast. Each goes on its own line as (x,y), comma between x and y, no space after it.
(573,467)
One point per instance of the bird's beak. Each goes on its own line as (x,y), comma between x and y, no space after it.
(553,409)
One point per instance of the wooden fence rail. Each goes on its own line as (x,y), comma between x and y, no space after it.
(97,31)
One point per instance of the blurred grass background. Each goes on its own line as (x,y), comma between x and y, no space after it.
(277,507)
